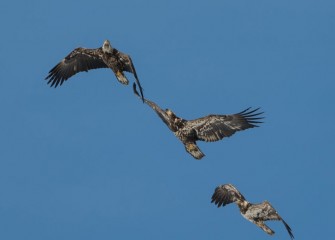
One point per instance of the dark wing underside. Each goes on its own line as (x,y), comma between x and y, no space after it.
(289,230)
(79,60)
(225,194)
(215,127)
(129,67)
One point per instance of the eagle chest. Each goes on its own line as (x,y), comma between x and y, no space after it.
(111,61)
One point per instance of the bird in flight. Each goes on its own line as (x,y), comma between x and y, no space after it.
(84,59)
(255,213)
(210,128)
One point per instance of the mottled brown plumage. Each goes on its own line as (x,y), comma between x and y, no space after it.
(255,213)
(84,59)
(210,128)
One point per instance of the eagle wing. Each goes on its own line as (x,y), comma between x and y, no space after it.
(161,113)
(226,194)
(289,230)
(128,66)
(215,127)
(79,60)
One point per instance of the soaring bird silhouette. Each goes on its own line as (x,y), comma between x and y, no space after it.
(255,213)
(84,59)
(210,128)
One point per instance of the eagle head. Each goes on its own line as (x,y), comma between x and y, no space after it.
(107,47)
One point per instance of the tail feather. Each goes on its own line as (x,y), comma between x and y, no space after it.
(194,150)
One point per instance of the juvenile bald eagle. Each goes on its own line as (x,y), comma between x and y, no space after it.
(210,128)
(255,213)
(84,59)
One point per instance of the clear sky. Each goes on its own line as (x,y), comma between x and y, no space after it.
(88,160)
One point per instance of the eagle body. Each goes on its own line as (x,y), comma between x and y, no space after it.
(255,213)
(209,129)
(188,137)
(84,59)
(112,62)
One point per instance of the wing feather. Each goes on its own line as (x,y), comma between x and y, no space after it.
(289,230)
(161,113)
(129,67)
(215,127)
(79,60)
(226,194)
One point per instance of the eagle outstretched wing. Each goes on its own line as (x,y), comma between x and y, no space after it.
(128,66)
(79,60)
(215,127)
(226,194)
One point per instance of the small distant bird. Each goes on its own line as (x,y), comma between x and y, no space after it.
(84,59)
(255,213)
(210,128)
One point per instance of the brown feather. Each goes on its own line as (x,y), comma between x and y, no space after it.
(255,213)
(79,60)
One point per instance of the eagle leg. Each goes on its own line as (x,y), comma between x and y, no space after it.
(121,78)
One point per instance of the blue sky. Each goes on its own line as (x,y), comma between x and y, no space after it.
(88,160)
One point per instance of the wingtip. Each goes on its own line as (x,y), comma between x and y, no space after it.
(141,93)
(137,94)
(288,228)
(135,90)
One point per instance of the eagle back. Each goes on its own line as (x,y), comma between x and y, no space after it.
(184,132)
